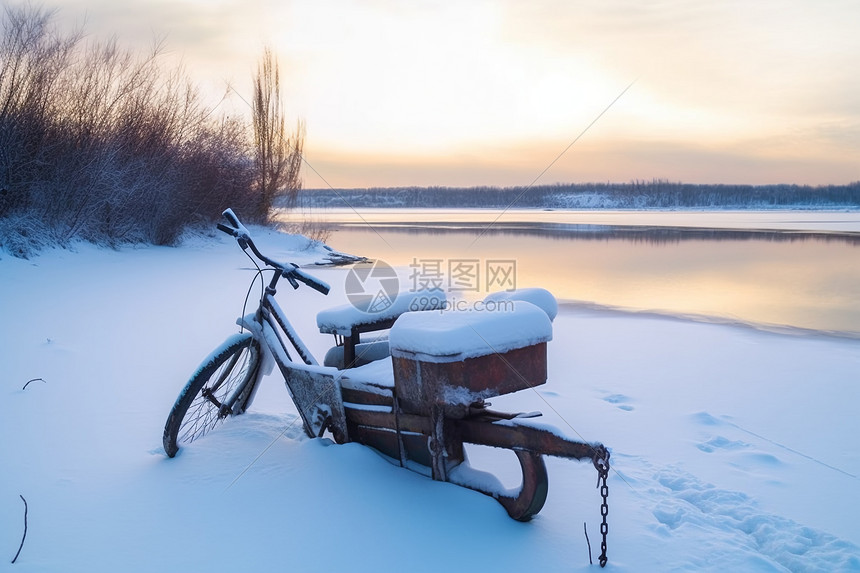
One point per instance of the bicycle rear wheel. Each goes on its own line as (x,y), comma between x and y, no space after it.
(222,386)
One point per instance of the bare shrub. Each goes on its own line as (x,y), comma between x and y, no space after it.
(306,225)
(32,60)
(24,234)
(101,143)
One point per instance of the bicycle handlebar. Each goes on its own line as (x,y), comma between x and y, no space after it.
(311,281)
(290,271)
(229,230)
(234,220)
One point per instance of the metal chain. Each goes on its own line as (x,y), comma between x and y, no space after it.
(601,463)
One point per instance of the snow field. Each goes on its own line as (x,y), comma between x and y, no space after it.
(732,449)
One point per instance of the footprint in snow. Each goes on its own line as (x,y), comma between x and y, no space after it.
(685,503)
(619,400)
(758,459)
(747,459)
(706,419)
(721,443)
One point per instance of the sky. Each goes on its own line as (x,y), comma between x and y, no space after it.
(494,92)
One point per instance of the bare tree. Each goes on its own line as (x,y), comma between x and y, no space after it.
(277,154)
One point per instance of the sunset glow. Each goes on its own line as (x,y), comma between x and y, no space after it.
(445,93)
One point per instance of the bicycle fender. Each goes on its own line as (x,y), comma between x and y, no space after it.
(267,361)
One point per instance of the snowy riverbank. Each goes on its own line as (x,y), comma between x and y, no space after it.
(732,449)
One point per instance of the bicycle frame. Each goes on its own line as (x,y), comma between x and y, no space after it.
(315,392)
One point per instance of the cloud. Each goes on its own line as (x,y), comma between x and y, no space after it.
(761,161)
(749,56)
(450,93)
(215,40)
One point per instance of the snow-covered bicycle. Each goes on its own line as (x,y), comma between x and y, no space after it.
(416,396)
(225,382)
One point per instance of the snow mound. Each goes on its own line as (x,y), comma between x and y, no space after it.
(539,297)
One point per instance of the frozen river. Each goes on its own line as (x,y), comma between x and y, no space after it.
(799,269)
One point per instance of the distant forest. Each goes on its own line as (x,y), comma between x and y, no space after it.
(655,194)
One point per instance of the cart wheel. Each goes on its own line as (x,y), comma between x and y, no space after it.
(533,492)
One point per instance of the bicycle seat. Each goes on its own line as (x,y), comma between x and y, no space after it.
(349,319)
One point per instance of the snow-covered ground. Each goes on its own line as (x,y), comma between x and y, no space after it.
(732,449)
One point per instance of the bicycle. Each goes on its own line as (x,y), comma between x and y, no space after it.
(225,382)
(416,398)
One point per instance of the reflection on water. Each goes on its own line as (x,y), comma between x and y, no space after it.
(801,279)
(634,233)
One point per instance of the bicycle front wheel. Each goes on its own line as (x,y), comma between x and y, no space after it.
(221,386)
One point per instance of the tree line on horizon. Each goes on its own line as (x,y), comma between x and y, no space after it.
(636,194)
(110,146)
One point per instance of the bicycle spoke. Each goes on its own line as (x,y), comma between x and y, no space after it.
(225,371)
(215,394)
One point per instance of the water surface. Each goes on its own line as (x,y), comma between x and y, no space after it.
(799,269)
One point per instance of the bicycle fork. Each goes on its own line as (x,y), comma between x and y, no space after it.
(226,408)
